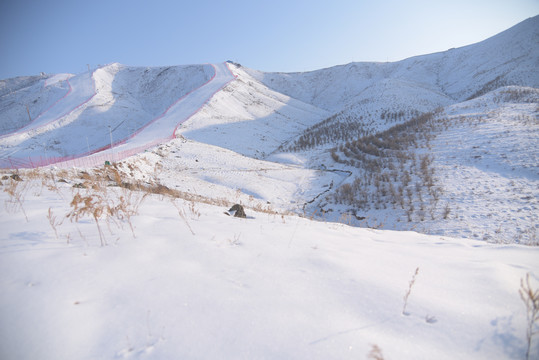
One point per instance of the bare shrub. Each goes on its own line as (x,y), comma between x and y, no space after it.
(183,216)
(128,206)
(16,191)
(195,213)
(92,206)
(54,222)
(111,208)
(446,211)
(530,297)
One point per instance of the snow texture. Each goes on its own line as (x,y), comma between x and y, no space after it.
(176,277)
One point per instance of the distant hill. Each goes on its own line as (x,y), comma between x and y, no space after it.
(509,58)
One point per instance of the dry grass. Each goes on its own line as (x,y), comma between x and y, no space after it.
(113,209)
(100,203)
(530,297)
(183,216)
(16,190)
(108,196)
(408,291)
(375,353)
(93,206)
(128,206)
(54,222)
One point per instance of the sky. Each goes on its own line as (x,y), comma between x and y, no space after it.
(67,36)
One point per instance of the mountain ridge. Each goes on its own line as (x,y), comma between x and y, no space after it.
(498,49)
(356,141)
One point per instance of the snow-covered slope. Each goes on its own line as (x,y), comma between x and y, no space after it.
(469,170)
(25,99)
(141,259)
(196,283)
(240,110)
(112,101)
(249,118)
(509,58)
(488,164)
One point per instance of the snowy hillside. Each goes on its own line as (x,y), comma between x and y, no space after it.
(249,118)
(178,278)
(311,131)
(376,100)
(122,98)
(468,170)
(117,239)
(39,93)
(509,58)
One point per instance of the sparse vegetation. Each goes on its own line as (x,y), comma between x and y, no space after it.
(106,197)
(518,94)
(54,222)
(497,82)
(344,126)
(530,297)
(183,216)
(389,173)
(16,190)
(408,291)
(94,206)
(375,353)
(209,285)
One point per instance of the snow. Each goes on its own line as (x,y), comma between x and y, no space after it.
(269,286)
(214,172)
(249,118)
(177,277)
(496,160)
(509,58)
(29,98)
(58,133)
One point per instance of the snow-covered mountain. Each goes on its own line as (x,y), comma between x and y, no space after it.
(509,58)
(116,96)
(141,259)
(367,92)
(307,123)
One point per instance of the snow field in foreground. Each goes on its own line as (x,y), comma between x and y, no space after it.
(196,283)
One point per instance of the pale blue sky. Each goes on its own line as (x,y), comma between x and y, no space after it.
(56,36)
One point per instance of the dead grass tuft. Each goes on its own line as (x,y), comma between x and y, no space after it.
(16,190)
(530,297)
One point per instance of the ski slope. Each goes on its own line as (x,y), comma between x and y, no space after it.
(163,127)
(25,99)
(81,90)
(135,108)
(141,260)
(179,112)
(154,122)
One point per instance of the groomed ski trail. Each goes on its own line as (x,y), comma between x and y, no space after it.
(47,82)
(81,90)
(163,127)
